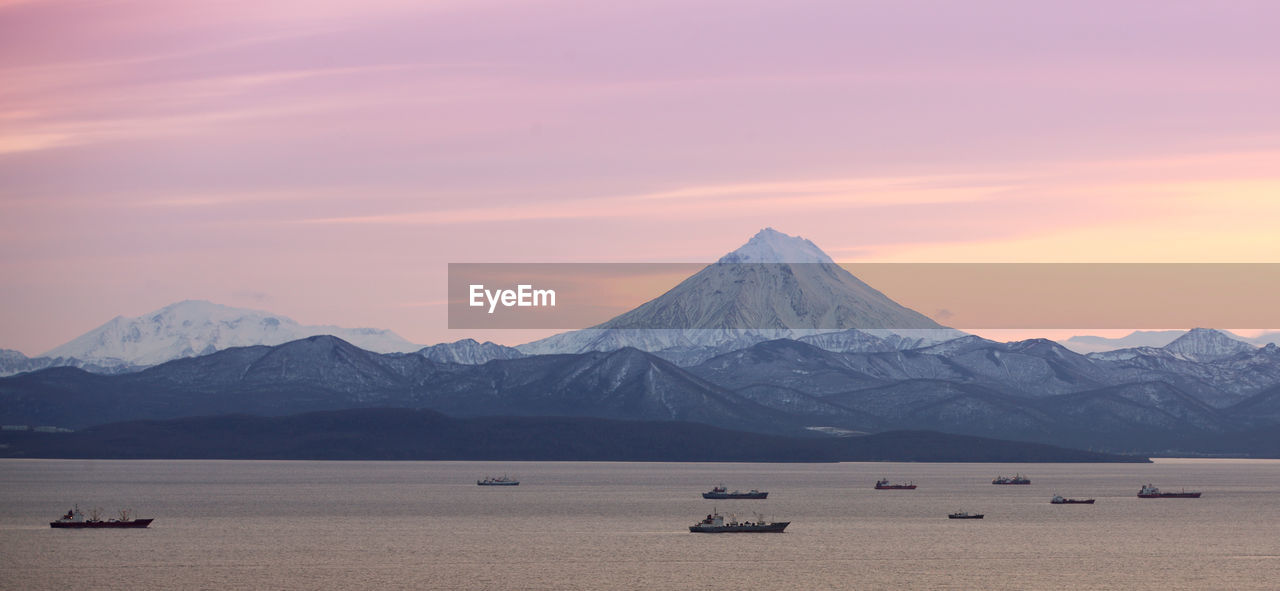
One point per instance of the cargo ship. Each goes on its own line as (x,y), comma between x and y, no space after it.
(715,523)
(1015,479)
(74,519)
(1060,500)
(503,480)
(720,492)
(883,484)
(964,515)
(1151,492)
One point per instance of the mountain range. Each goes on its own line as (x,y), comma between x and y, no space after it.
(1031,391)
(1085,344)
(193,328)
(1202,392)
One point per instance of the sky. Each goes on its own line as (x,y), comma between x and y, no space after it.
(327,160)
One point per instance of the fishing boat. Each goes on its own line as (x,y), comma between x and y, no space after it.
(715,523)
(74,519)
(503,480)
(1149,491)
(1060,500)
(883,484)
(720,492)
(964,515)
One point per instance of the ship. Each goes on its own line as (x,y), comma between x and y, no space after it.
(715,523)
(964,515)
(1060,500)
(720,492)
(883,484)
(74,519)
(1015,479)
(1151,492)
(503,480)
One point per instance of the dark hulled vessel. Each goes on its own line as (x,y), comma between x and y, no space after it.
(74,519)
(1149,491)
(884,484)
(715,523)
(720,492)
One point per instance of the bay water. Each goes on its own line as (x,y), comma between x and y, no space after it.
(580,525)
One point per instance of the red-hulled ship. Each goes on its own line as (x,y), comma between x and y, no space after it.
(1151,492)
(74,519)
(883,484)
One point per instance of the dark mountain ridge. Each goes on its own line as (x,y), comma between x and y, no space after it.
(1031,390)
(327,373)
(416,434)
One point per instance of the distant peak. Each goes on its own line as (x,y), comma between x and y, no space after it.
(1206,333)
(1207,344)
(772,246)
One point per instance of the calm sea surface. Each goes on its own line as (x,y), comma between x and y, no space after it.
(426,525)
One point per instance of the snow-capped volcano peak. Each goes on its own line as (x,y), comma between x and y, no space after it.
(195,327)
(772,246)
(778,291)
(791,289)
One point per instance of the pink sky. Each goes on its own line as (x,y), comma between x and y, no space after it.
(326,160)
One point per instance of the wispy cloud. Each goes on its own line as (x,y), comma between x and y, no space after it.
(173,108)
(705,200)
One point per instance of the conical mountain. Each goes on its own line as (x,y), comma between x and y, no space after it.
(774,286)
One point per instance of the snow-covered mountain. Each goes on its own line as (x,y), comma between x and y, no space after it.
(878,340)
(1206,345)
(191,328)
(1208,364)
(469,352)
(772,246)
(774,286)
(14,362)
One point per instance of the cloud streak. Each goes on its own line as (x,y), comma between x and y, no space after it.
(706,200)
